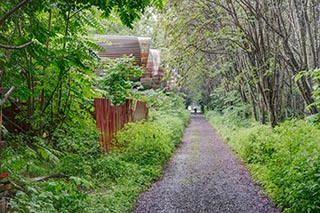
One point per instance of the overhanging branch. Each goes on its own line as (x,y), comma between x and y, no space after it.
(16,47)
(12,11)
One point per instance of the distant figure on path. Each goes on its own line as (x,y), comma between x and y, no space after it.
(195,110)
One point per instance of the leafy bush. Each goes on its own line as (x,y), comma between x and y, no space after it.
(95,183)
(28,156)
(153,142)
(146,143)
(294,169)
(256,144)
(52,196)
(285,160)
(116,79)
(77,139)
(173,123)
(160,100)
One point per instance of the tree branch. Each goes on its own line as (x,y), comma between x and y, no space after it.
(16,47)
(6,96)
(12,11)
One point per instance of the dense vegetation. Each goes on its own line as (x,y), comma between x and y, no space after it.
(256,64)
(253,62)
(260,55)
(284,160)
(47,53)
(88,181)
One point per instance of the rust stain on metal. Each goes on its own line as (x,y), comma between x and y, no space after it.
(110,119)
(144,47)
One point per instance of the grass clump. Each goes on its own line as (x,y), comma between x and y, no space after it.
(285,160)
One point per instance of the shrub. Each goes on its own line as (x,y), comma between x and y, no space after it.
(294,169)
(53,196)
(145,143)
(173,123)
(285,160)
(77,139)
(96,182)
(256,144)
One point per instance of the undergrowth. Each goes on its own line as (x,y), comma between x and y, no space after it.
(90,181)
(284,160)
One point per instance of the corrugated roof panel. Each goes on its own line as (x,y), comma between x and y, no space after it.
(118,46)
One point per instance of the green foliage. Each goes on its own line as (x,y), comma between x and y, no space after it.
(23,160)
(53,106)
(315,76)
(285,160)
(52,196)
(76,165)
(54,76)
(314,120)
(168,121)
(95,183)
(116,79)
(150,143)
(144,27)
(251,144)
(147,144)
(296,177)
(160,100)
(77,138)
(229,103)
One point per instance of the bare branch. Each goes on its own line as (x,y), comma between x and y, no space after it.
(16,47)
(6,96)
(12,11)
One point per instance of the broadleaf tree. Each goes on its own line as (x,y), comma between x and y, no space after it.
(45,52)
(251,50)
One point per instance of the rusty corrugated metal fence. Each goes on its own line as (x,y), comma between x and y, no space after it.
(110,119)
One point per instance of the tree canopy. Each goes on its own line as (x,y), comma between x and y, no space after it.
(247,52)
(45,52)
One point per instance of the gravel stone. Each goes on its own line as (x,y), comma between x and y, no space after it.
(204,176)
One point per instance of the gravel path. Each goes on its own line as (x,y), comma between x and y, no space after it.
(204,176)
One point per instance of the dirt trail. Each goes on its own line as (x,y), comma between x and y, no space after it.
(204,176)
